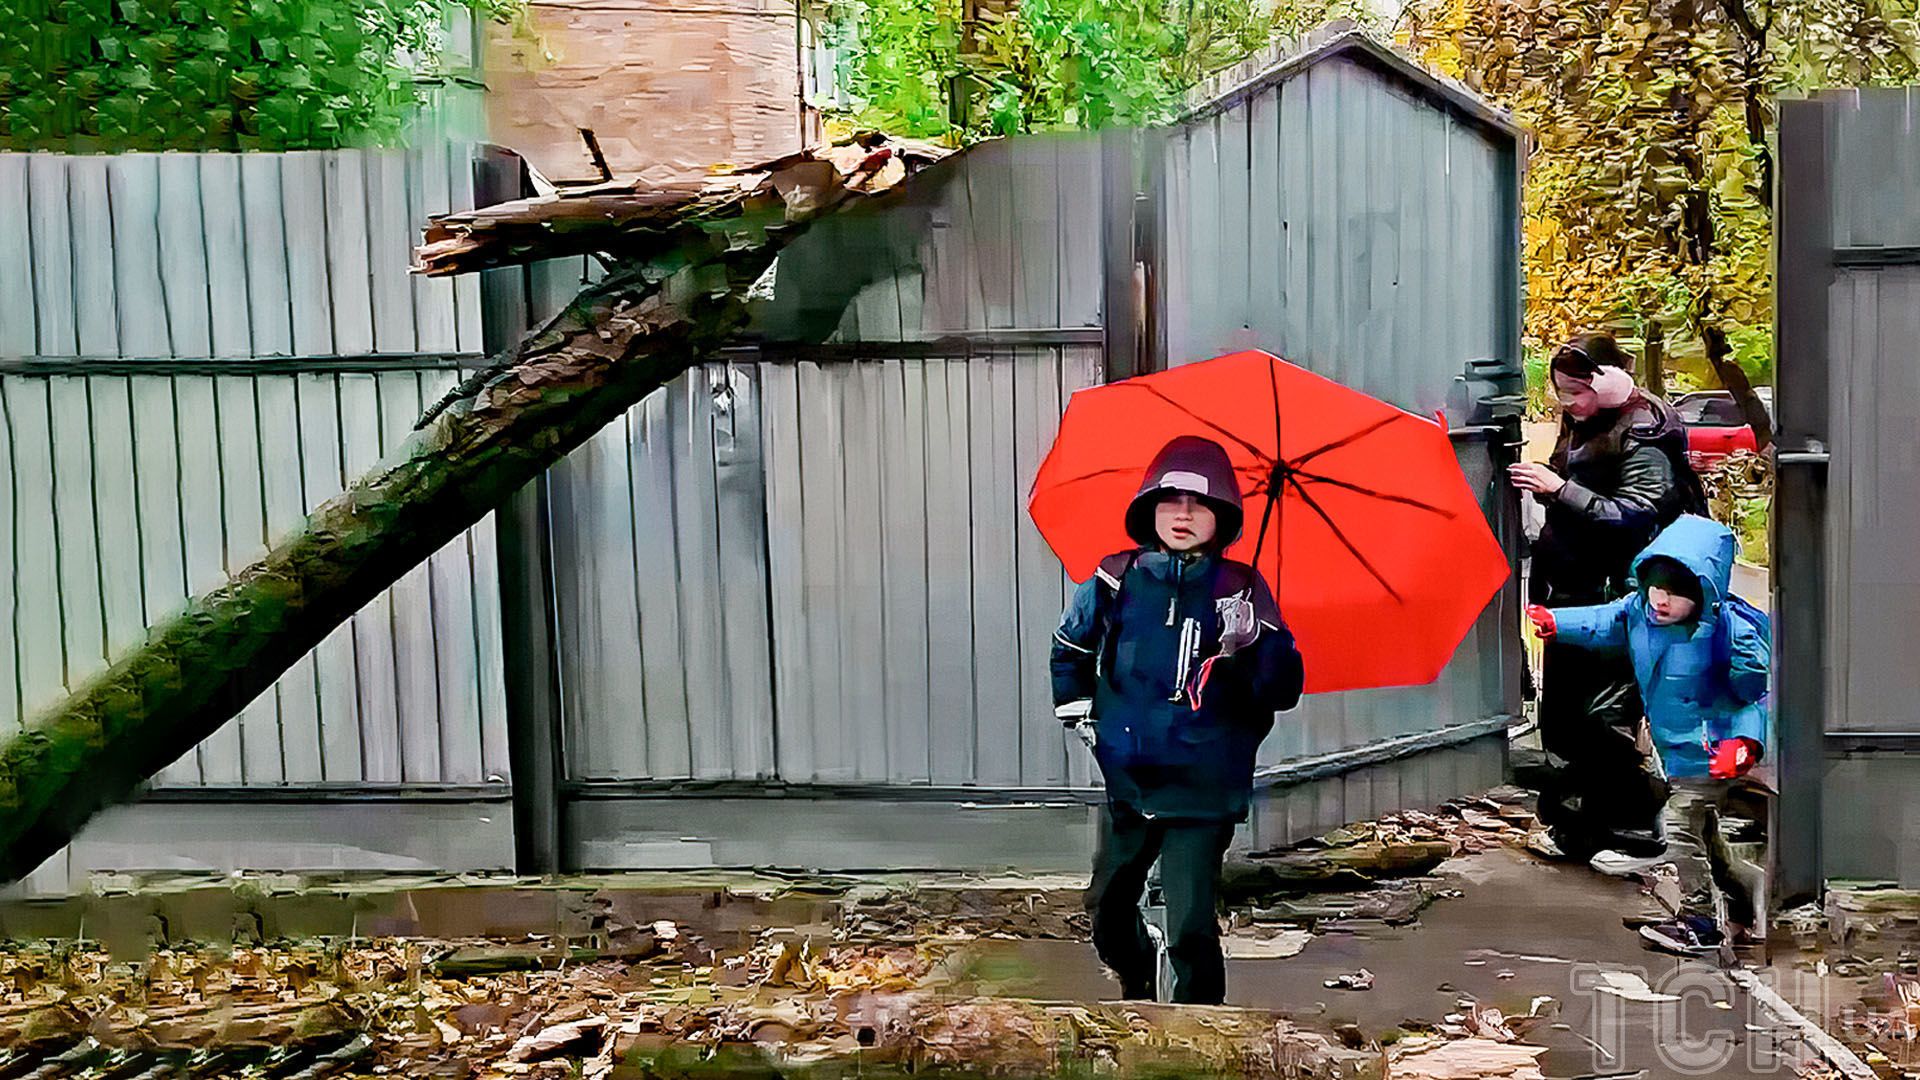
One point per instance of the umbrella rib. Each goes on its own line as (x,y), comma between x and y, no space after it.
(1349,440)
(1095,475)
(1244,444)
(1404,500)
(1341,536)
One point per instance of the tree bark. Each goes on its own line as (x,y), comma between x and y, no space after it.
(677,296)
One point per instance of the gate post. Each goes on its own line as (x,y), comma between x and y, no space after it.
(525,569)
(1803,281)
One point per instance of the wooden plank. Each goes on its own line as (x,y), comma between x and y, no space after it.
(203,539)
(224,231)
(740,498)
(466,287)
(112,202)
(390,240)
(696,534)
(51,227)
(12,715)
(303,210)
(1176,209)
(1036,216)
(996,245)
(780,420)
(572,598)
(349,277)
(483,563)
(284,509)
(157,489)
(1036,416)
(450,574)
(373,635)
(1296,194)
(75,528)
(1233,255)
(429,192)
(269,304)
(337,682)
(903,568)
(865,523)
(18,337)
(1266,225)
(244,540)
(580,566)
(823,496)
(950,677)
(1081,223)
(995,508)
(415,652)
(41,642)
(183,256)
(613,664)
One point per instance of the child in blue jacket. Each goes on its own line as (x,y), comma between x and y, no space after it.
(1700,656)
(1174,660)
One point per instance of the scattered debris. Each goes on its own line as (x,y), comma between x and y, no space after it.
(1358,980)
(549,1041)
(1629,987)
(1278,945)
(1464,1059)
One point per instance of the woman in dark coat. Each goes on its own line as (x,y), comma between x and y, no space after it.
(1618,475)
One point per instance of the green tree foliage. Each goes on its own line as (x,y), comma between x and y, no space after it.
(110,75)
(1649,193)
(960,69)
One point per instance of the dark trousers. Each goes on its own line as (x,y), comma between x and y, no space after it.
(1190,854)
(1589,715)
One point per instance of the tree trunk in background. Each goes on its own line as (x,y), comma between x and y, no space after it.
(1734,378)
(688,260)
(1655,359)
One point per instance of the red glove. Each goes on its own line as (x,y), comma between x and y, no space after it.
(1733,758)
(1543,625)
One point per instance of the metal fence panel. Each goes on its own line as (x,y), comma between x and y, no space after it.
(913,599)
(127,494)
(1872,516)
(660,576)
(1339,221)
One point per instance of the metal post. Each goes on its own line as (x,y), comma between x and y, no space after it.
(1119,309)
(525,568)
(1803,276)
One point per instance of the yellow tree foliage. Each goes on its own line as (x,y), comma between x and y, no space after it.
(1649,190)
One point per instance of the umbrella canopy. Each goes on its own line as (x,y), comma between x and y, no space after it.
(1375,546)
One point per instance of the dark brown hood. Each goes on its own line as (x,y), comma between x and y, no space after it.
(1197,467)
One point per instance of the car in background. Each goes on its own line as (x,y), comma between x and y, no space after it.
(1715,426)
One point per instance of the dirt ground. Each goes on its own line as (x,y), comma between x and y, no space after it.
(1492,963)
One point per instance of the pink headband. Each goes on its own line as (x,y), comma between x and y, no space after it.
(1612,387)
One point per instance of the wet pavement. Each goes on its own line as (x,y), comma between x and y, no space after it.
(1522,929)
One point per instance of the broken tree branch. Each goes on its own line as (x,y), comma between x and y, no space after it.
(688,258)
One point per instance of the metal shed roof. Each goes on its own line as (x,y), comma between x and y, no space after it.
(1361,48)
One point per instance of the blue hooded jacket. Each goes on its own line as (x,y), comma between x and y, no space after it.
(1182,659)
(1703,680)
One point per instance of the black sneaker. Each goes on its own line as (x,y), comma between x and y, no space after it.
(1688,935)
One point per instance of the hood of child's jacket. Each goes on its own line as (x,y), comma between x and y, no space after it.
(1194,466)
(1703,546)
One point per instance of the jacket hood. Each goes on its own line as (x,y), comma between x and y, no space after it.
(1701,545)
(1194,466)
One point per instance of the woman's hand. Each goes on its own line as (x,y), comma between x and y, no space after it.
(1530,476)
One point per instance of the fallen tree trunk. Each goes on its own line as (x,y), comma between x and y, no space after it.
(687,259)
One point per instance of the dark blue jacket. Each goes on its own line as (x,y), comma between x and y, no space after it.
(1701,681)
(1175,735)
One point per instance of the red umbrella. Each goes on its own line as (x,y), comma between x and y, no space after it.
(1377,550)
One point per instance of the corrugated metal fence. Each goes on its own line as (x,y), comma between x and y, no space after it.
(1847,588)
(203,347)
(798,564)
